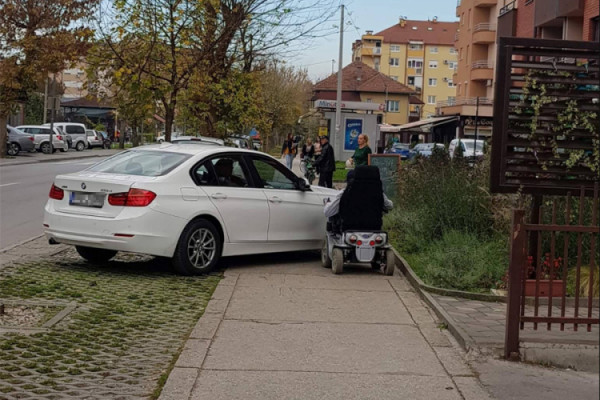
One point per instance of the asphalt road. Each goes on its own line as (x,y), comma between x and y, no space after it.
(23,194)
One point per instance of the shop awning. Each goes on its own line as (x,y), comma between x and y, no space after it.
(426,123)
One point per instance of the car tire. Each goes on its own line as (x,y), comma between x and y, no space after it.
(199,248)
(375,265)
(63,150)
(80,146)
(337,261)
(160,141)
(45,148)
(325,260)
(95,256)
(13,149)
(390,262)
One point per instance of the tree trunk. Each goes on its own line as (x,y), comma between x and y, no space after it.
(169,118)
(135,135)
(3,135)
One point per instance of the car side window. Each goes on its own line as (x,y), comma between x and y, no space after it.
(204,175)
(271,175)
(74,129)
(230,171)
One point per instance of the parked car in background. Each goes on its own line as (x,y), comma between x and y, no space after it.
(105,139)
(237,142)
(76,131)
(196,140)
(401,149)
(470,148)
(162,136)
(424,149)
(41,138)
(18,141)
(94,139)
(191,203)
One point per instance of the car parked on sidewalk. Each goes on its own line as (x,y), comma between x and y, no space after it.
(194,204)
(18,141)
(77,133)
(471,148)
(41,138)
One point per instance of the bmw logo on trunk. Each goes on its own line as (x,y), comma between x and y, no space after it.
(83,185)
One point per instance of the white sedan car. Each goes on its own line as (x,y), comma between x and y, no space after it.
(192,203)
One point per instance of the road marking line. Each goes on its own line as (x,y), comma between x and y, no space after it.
(8,184)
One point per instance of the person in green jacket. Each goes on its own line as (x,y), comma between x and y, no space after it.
(361,155)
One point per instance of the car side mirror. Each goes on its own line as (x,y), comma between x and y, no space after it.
(302,185)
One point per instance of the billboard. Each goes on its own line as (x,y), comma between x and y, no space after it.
(353,128)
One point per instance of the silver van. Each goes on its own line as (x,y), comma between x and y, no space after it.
(77,132)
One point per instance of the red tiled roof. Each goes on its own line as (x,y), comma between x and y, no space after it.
(441,33)
(414,100)
(359,77)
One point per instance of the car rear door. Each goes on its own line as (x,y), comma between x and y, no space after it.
(293,214)
(242,207)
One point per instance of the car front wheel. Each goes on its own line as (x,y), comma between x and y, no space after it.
(80,146)
(95,256)
(199,248)
(46,148)
(13,149)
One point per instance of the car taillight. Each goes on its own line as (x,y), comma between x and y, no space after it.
(56,193)
(372,243)
(58,137)
(31,138)
(359,243)
(133,198)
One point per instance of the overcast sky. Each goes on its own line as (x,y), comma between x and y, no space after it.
(375,15)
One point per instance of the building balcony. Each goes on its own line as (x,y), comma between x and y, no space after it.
(481,71)
(371,51)
(485,3)
(465,106)
(553,10)
(484,33)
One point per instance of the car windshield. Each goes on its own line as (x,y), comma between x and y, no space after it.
(469,145)
(141,162)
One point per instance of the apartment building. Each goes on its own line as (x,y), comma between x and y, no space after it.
(419,54)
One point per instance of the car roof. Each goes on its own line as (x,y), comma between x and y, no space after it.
(193,149)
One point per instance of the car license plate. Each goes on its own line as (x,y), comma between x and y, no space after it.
(84,199)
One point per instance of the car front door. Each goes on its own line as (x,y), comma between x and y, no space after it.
(243,208)
(294,214)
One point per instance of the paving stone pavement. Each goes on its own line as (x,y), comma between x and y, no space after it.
(485,322)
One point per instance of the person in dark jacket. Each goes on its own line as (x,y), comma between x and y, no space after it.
(325,163)
(308,150)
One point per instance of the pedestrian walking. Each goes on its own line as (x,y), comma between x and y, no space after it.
(325,163)
(308,150)
(361,154)
(288,150)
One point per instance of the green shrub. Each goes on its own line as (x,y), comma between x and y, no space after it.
(462,261)
(584,282)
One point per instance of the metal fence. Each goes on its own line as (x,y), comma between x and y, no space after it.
(549,259)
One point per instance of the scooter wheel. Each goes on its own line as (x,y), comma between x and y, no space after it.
(337,261)
(325,260)
(390,263)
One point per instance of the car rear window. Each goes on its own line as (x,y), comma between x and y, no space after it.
(143,163)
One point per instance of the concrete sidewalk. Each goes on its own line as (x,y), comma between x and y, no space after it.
(294,330)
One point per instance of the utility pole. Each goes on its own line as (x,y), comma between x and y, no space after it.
(52,109)
(338,104)
(476,123)
(46,100)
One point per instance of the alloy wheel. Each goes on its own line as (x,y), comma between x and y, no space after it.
(201,248)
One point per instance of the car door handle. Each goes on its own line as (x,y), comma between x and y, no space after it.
(275,199)
(218,196)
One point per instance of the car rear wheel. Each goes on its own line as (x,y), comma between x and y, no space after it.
(80,146)
(325,260)
(45,147)
(63,150)
(337,261)
(95,256)
(13,149)
(199,248)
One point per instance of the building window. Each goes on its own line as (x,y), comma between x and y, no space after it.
(394,77)
(430,99)
(453,50)
(433,64)
(596,29)
(411,80)
(451,100)
(452,64)
(433,50)
(458,89)
(414,46)
(394,62)
(450,83)
(432,82)
(393,106)
(395,48)
(415,63)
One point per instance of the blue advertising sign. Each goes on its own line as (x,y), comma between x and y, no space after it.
(353,129)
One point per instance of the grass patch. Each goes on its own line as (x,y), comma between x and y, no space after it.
(339,175)
(131,310)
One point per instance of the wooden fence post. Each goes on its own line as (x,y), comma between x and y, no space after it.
(518,241)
